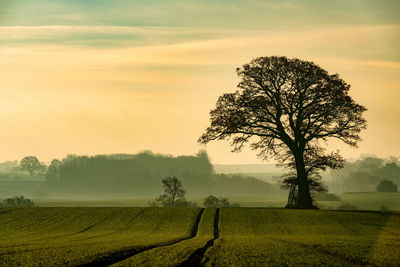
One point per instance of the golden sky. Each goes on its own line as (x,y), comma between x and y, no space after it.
(100,77)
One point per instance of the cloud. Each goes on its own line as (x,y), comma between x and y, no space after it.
(170,46)
(109,36)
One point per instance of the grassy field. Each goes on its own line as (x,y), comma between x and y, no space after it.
(374,201)
(72,236)
(298,237)
(179,236)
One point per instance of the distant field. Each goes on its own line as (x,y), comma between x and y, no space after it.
(373,201)
(363,201)
(181,236)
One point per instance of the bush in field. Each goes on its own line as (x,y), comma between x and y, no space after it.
(17,201)
(386,186)
(213,201)
(174,194)
(347,206)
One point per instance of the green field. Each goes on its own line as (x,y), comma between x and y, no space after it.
(180,236)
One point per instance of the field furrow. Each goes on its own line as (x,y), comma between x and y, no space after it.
(259,237)
(184,253)
(106,259)
(197,237)
(64,244)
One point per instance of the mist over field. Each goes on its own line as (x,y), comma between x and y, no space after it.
(128,176)
(135,176)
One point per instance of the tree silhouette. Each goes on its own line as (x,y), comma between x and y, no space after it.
(53,171)
(287,109)
(174,194)
(32,165)
(386,186)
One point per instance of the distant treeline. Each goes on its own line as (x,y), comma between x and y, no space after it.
(364,175)
(140,175)
(9,166)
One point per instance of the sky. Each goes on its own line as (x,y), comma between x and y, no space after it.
(98,77)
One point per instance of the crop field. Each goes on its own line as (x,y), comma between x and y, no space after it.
(125,236)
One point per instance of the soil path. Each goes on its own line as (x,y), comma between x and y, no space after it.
(198,255)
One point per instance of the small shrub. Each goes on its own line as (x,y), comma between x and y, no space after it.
(17,201)
(213,201)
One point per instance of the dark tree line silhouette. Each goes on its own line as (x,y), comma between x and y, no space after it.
(140,175)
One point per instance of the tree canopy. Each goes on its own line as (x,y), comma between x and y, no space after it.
(386,186)
(53,171)
(287,109)
(32,165)
(174,194)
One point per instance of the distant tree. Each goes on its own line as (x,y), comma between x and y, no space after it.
(9,166)
(32,165)
(386,186)
(364,174)
(173,189)
(53,171)
(288,108)
(17,201)
(174,194)
(224,202)
(213,201)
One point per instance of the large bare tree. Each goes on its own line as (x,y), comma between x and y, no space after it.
(287,109)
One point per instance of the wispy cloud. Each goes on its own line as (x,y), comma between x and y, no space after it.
(114,36)
(171,46)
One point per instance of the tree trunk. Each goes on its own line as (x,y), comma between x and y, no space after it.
(304,200)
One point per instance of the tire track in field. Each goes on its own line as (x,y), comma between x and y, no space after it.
(106,259)
(197,256)
(97,223)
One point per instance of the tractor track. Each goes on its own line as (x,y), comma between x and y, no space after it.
(106,259)
(198,255)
